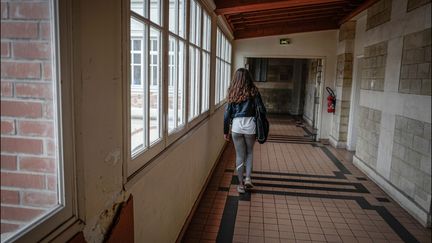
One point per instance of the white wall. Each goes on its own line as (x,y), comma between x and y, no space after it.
(391,102)
(164,196)
(320,44)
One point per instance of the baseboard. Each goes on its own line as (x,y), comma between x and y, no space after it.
(198,200)
(337,144)
(406,203)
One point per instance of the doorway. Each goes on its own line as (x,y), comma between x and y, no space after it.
(290,87)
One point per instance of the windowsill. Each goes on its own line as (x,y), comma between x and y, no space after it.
(193,126)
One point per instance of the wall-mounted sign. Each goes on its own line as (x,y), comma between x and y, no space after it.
(284,41)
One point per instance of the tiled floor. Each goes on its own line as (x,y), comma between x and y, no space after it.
(304,192)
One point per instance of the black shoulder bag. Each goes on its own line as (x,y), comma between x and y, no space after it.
(262,124)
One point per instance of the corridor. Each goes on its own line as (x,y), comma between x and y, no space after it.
(304,191)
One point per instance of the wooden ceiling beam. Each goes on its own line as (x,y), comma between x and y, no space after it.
(278,11)
(283,13)
(359,9)
(282,29)
(282,17)
(327,17)
(241,6)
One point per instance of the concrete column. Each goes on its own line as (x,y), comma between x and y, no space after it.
(344,74)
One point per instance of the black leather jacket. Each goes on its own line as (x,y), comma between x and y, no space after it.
(243,109)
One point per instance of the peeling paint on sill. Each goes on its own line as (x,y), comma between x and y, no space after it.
(96,229)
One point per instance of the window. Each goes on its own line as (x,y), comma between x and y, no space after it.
(176,66)
(205,91)
(154,124)
(199,60)
(223,66)
(146,75)
(35,174)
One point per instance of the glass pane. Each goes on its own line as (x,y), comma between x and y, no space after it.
(173,13)
(155,87)
(182,17)
(136,58)
(30,132)
(198,22)
(181,85)
(155,11)
(192,32)
(139,7)
(136,70)
(194,82)
(206,32)
(172,85)
(136,45)
(217,84)
(229,53)
(218,43)
(223,80)
(192,97)
(138,95)
(205,82)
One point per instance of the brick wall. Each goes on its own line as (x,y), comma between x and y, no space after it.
(415,74)
(368,135)
(28,145)
(411,166)
(374,65)
(378,14)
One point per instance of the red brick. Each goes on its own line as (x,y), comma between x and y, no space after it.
(4,10)
(10,197)
(26,10)
(6,89)
(48,110)
(21,145)
(21,70)
(7,127)
(27,30)
(37,164)
(38,91)
(6,227)
(19,213)
(45,30)
(21,180)
(36,128)
(5,49)
(21,109)
(8,162)
(51,182)
(31,50)
(46,71)
(42,199)
(50,147)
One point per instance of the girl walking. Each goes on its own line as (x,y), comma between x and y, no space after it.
(243,97)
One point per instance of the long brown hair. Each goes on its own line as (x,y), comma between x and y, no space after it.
(241,87)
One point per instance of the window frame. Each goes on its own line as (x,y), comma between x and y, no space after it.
(67,214)
(135,159)
(222,62)
(134,163)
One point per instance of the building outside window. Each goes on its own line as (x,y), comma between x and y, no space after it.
(223,66)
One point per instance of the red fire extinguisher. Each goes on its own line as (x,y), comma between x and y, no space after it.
(331,101)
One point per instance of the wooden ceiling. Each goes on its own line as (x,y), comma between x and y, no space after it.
(255,18)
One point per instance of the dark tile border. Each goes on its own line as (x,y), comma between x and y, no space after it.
(226,229)
(335,161)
